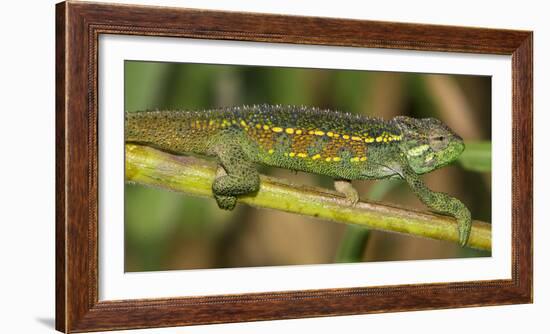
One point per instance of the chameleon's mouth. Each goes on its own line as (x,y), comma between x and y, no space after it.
(459,143)
(455,145)
(462,146)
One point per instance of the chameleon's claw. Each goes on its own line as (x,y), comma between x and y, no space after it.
(346,188)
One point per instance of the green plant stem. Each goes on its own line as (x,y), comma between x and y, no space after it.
(150,167)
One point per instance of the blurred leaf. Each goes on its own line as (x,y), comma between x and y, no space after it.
(422,104)
(150,212)
(350,89)
(352,245)
(141,91)
(476,157)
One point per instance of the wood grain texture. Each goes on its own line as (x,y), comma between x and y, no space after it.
(60,181)
(522,168)
(78,27)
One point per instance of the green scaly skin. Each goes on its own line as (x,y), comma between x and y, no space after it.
(341,145)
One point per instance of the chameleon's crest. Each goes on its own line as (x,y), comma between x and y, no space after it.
(428,143)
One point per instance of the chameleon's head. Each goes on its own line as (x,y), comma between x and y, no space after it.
(427,143)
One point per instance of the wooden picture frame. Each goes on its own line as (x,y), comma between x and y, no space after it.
(78,27)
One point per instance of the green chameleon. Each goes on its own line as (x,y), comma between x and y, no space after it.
(340,145)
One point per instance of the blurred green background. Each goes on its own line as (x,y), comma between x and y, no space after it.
(165,230)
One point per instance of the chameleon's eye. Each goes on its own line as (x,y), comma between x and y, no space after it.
(438,142)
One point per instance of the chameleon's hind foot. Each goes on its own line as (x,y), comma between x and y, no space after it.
(235,176)
(346,188)
(226,202)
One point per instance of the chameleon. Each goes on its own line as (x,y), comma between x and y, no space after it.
(337,144)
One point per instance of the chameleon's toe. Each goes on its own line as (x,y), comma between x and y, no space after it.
(226,202)
(353,200)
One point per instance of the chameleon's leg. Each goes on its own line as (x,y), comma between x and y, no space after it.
(238,175)
(345,187)
(443,203)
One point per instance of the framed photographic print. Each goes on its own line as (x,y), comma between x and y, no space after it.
(223,166)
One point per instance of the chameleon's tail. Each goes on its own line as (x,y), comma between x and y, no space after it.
(154,127)
(144,126)
(133,126)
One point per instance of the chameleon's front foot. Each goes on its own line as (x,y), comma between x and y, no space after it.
(455,207)
(464,220)
(443,203)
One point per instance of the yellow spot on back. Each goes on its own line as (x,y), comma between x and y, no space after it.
(328,159)
(336,135)
(243,123)
(277,129)
(291,154)
(336,159)
(319,133)
(363,159)
(311,132)
(356,138)
(345,136)
(289,131)
(378,139)
(298,132)
(271,151)
(354,159)
(396,137)
(258,126)
(266,127)
(302,155)
(369,140)
(316,156)
(330,134)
